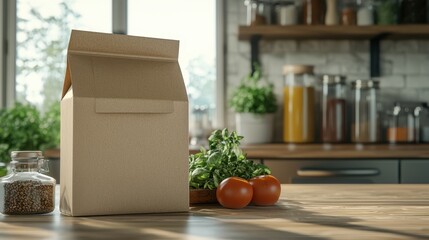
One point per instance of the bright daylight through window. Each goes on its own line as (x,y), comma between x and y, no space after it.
(43,30)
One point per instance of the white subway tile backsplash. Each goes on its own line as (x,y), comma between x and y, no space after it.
(232,44)
(355,68)
(284,46)
(394,81)
(272,64)
(417,81)
(234,6)
(359,46)
(395,61)
(415,63)
(387,46)
(386,68)
(265,47)
(243,47)
(328,69)
(309,46)
(424,96)
(305,58)
(331,46)
(347,58)
(406,46)
(423,46)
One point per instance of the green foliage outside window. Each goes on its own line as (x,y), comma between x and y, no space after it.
(23,127)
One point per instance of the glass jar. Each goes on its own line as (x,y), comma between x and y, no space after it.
(365,119)
(287,14)
(387,12)
(401,125)
(424,124)
(313,12)
(333,129)
(299,97)
(365,13)
(25,190)
(255,12)
(348,12)
(413,11)
(331,17)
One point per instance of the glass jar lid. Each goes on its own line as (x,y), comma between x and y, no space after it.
(333,79)
(365,84)
(26,155)
(298,69)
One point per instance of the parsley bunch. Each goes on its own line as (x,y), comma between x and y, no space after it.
(223,159)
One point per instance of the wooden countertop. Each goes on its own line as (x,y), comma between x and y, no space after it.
(336,151)
(304,212)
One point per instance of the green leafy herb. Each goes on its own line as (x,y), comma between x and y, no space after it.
(254,95)
(223,159)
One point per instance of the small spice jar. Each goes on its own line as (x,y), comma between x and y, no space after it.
(401,125)
(26,190)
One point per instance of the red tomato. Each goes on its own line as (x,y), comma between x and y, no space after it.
(266,190)
(234,192)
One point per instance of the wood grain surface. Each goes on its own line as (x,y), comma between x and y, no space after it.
(304,212)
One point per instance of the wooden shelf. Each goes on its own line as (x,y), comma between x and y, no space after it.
(299,32)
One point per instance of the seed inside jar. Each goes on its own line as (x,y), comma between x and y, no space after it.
(28,197)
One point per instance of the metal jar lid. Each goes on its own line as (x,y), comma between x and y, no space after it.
(365,84)
(333,79)
(25,155)
(298,69)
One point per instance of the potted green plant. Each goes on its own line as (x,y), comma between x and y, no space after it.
(255,103)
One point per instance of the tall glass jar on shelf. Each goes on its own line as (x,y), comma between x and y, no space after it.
(348,12)
(365,116)
(365,12)
(256,12)
(313,12)
(299,104)
(424,124)
(333,103)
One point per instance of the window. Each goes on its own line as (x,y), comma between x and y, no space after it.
(43,31)
(193,23)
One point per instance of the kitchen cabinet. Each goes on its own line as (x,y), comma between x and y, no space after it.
(335,171)
(414,171)
(344,163)
(373,33)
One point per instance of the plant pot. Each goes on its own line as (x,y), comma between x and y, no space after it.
(255,128)
(202,196)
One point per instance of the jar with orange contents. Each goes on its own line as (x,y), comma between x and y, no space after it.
(402,127)
(299,97)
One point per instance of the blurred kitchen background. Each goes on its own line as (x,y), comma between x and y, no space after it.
(221,41)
